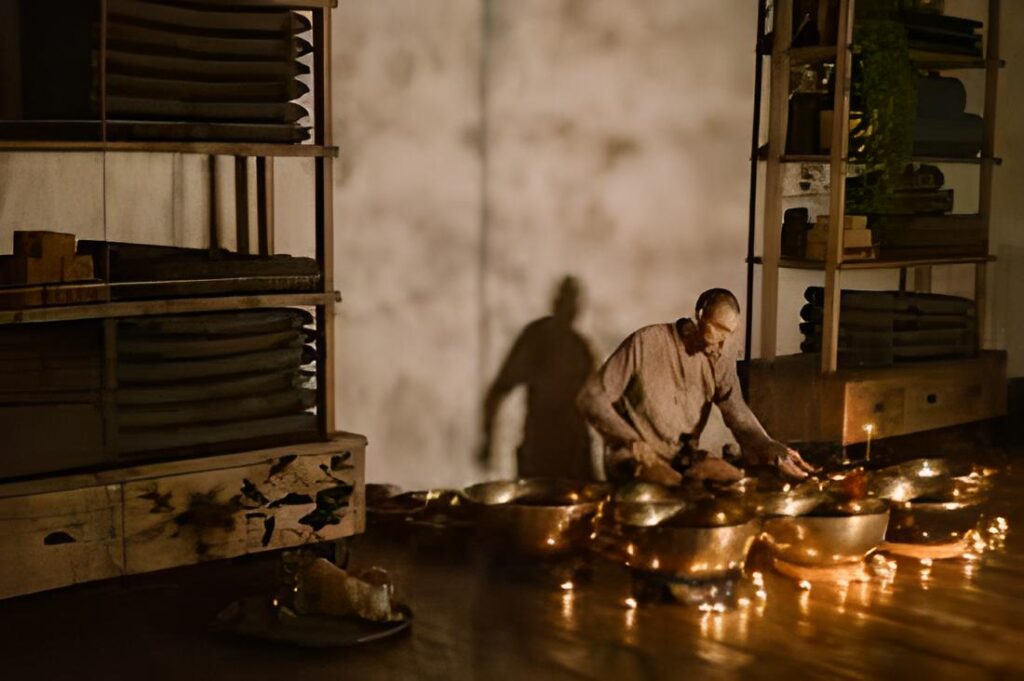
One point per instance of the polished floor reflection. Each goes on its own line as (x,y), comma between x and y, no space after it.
(479,618)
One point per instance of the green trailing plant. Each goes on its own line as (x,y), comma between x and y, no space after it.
(887,96)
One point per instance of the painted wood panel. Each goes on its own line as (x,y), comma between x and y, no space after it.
(60,538)
(283,501)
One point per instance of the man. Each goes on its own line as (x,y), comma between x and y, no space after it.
(653,396)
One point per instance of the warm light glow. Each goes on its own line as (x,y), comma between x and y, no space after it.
(631,603)
(551,541)
(744,602)
(567,586)
(805,585)
(757,578)
(275,603)
(927,562)
(927,471)
(761,594)
(869,428)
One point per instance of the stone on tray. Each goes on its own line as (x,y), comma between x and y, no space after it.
(326,589)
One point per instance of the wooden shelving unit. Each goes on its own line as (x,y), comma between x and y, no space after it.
(826,379)
(113,526)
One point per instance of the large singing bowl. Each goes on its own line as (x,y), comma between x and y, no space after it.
(537,518)
(694,552)
(693,538)
(829,536)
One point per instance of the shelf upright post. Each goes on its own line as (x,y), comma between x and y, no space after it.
(778,118)
(987,155)
(242,205)
(265,204)
(837,185)
(324,218)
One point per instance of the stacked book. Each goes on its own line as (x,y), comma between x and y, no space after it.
(882,328)
(934,32)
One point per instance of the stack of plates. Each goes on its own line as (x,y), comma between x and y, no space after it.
(208,379)
(189,72)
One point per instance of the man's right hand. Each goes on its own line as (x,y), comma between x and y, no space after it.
(651,467)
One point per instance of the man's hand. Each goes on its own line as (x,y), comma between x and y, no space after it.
(790,463)
(646,464)
(714,469)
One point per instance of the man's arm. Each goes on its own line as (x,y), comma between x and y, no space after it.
(604,388)
(757,445)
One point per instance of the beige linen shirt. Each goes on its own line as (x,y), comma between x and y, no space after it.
(661,388)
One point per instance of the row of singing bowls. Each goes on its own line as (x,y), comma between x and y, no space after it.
(537,518)
(832,534)
(670,531)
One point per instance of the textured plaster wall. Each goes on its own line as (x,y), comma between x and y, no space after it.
(616,142)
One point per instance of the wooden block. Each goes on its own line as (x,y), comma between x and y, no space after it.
(287,501)
(60,538)
(857,238)
(77,268)
(40,244)
(40,270)
(849,222)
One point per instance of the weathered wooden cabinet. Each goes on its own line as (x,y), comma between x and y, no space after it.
(70,529)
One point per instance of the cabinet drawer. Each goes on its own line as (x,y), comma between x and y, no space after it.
(879,403)
(937,405)
(285,501)
(60,538)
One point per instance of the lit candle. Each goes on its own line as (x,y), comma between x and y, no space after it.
(869,428)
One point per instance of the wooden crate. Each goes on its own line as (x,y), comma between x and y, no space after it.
(76,528)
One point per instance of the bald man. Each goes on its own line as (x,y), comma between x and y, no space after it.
(651,400)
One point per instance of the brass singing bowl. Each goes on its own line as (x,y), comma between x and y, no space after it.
(909,480)
(932,522)
(694,552)
(843,533)
(700,537)
(537,518)
(645,504)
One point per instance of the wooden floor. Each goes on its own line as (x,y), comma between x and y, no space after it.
(475,619)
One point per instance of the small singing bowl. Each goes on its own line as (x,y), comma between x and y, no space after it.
(537,518)
(909,480)
(932,522)
(832,534)
(702,539)
(645,504)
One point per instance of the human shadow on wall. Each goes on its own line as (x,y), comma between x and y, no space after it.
(552,360)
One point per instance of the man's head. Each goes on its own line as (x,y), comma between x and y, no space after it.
(718,317)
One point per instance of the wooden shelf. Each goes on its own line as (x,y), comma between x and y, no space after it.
(881,263)
(825,159)
(815,54)
(207,148)
(138,308)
